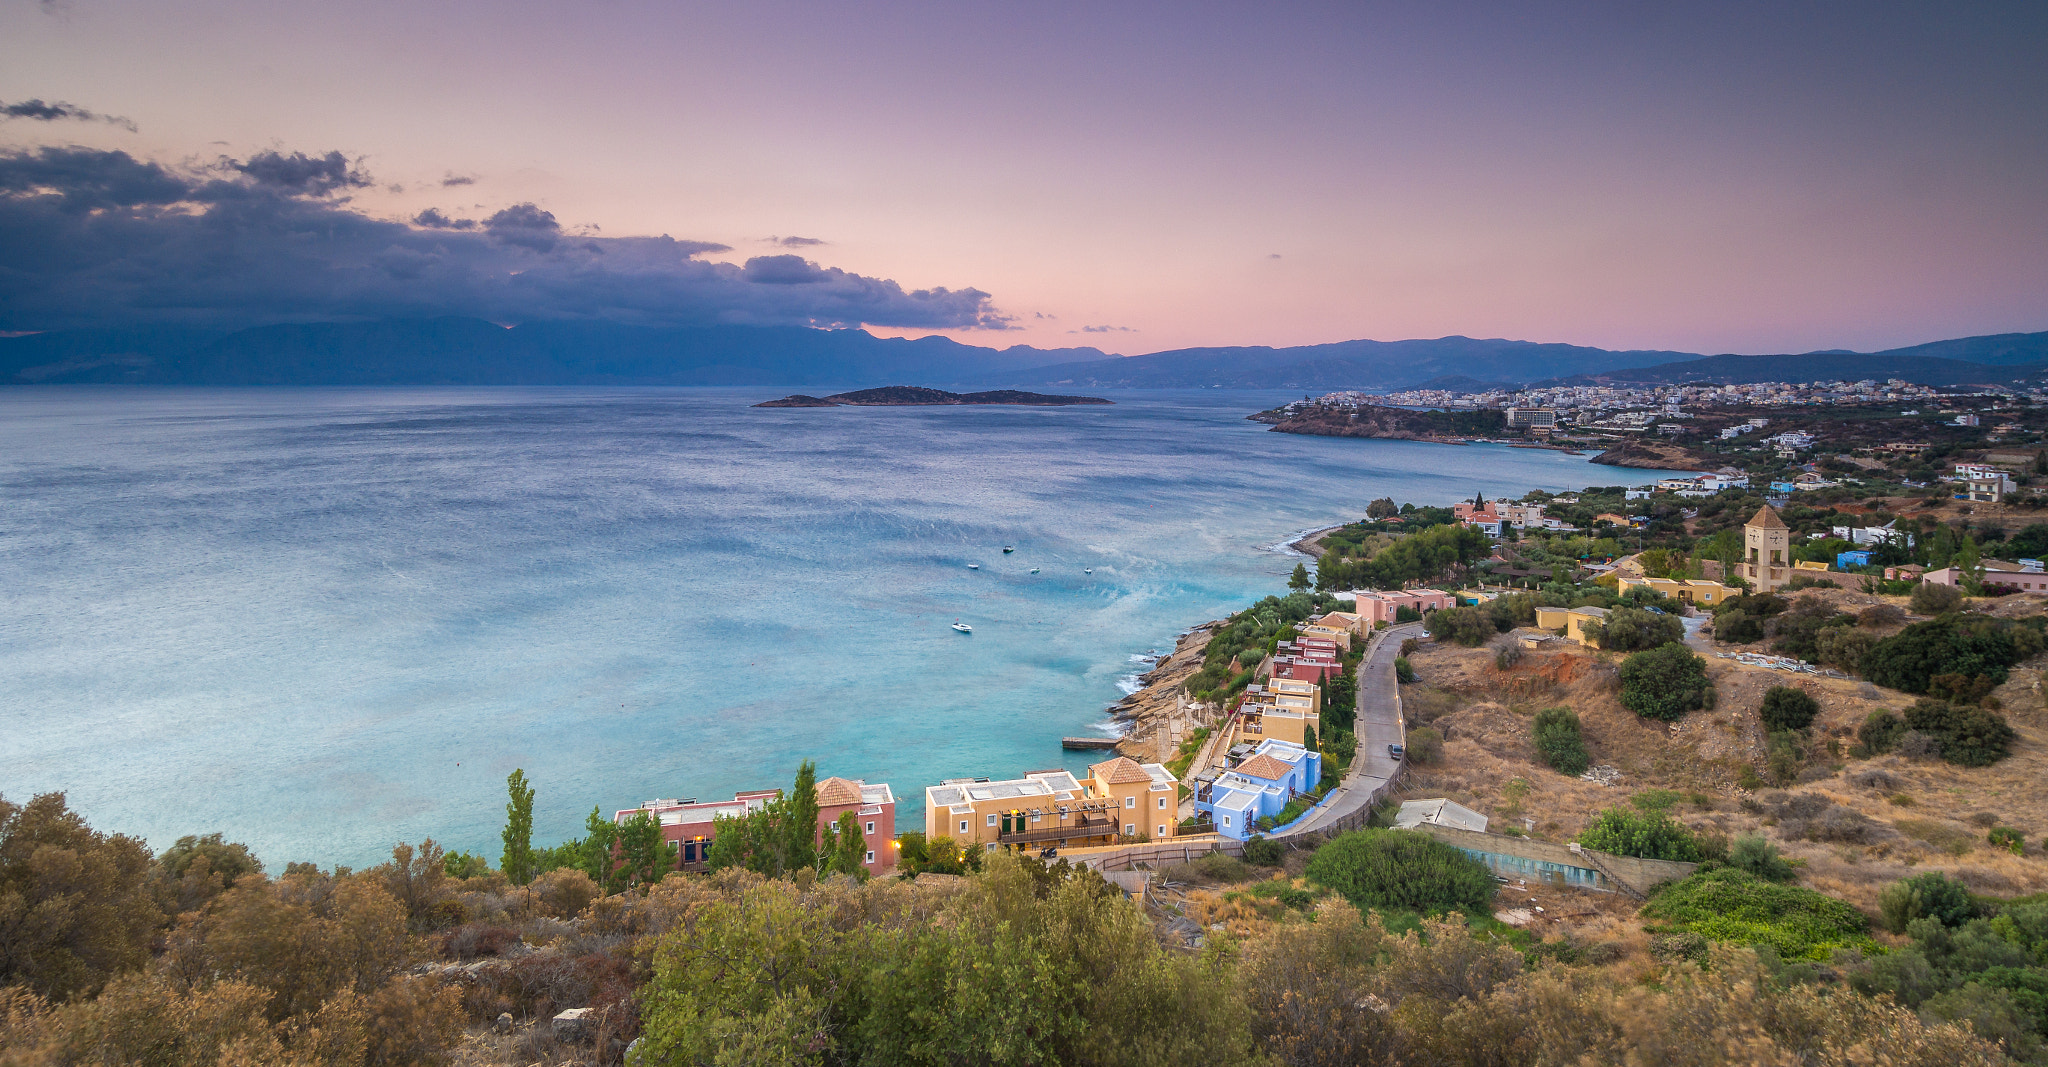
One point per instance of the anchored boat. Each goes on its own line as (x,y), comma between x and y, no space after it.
(963,627)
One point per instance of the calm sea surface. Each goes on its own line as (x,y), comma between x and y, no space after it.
(323,621)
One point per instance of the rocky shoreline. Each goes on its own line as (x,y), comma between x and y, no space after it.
(1147,714)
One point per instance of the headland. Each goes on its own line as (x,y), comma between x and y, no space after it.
(920,396)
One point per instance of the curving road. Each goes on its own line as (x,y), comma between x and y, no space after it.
(1379,725)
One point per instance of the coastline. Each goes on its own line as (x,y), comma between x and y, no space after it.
(1147,714)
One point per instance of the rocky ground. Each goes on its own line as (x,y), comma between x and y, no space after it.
(1149,711)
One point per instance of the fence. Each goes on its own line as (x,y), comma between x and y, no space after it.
(1519,857)
(1156,854)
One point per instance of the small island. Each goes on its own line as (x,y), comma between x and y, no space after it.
(919,396)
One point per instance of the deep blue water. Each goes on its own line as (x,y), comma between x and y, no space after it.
(327,620)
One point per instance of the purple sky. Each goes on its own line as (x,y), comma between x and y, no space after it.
(1724,177)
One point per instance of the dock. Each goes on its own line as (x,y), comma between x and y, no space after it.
(1087,743)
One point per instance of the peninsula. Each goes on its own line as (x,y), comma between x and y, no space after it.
(919,396)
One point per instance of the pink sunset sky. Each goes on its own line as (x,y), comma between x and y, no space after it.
(1698,177)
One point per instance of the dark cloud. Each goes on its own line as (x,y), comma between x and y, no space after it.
(1272,255)
(54,112)
(301,173)
(526,226)
(92,238)
(1107,329)
(795,242)
(457,179)
(432,219)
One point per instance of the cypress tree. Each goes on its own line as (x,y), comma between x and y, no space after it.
(517,861)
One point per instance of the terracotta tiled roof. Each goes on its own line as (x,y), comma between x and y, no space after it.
(1120,771)
(1766,519)
(1263,766)
(835,791)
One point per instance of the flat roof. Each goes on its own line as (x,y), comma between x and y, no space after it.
(1038,784)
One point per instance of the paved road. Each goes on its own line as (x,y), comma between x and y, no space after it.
(1379,725)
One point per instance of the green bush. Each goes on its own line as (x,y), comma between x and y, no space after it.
(1264,853)
(1403,670)
(1736,907)
(1467,626)
(1969,736)
(1787,708)
(1401,869)
(1738,628)
(1881,731)
(1664,683)
(1753,855)
(1844,646)
(1559,741)
(1931,896)
(2006,837)
(1646,835)
(1425,745)
(1630,630)
(1967,645)
(1932,599)
(1783,756)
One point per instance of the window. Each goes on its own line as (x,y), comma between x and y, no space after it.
(1162,803)
(1226,820)
(871,857)
(963,826)
(1162,831)
(1130,829)
(991,820)
(871,826)
(1130,802)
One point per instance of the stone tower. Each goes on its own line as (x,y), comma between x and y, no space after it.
(1767,551)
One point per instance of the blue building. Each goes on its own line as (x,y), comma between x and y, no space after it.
(1846,560)
(1260,786)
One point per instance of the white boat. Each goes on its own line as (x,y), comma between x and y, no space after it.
(1034,570)
(963,627)
(1007,549)
(974,566)
(1090,570)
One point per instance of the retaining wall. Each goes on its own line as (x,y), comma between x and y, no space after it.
(1521,857)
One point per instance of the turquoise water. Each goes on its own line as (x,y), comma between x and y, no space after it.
(324,621)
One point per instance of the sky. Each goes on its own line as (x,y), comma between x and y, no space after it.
(1725,177)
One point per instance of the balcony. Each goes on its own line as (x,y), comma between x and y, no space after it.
(1086,827)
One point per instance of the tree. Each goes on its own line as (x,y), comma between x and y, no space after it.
(1931,599)
(1969,736)
(1931,895)
(1630,630)
(599,835)
(1404,671)
(648,858)
(1643,834)
(845,848)
(1844,646)
(1664,683)
(1969,569)
(1468,626)
(1558,739)
(1787,708)
(1881,731)
(800,822)
(1969,645)
(1298,581)
(1754,855)
(517,859)
(75,904)
(1401,869)
(197,869)
(1383,508)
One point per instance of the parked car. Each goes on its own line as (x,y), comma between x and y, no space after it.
(1397,751)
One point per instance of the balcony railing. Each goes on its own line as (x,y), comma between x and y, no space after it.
(1083,828)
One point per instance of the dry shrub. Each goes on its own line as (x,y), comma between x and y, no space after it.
(1942,835)
(413,1021)
(564,893)
(1873,778)
(473,941)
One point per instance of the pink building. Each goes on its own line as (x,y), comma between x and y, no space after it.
(690,824)
(1380,606)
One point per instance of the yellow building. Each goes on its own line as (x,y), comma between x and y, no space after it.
(1144,796)
(1570,620)
(1119,797)
(1338,626)
(1691,590)
(1767,551)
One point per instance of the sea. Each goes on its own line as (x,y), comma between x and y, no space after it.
(326,621)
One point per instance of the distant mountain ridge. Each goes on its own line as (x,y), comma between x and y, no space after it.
(465,351)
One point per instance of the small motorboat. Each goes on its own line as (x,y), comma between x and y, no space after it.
(974,566)
(963,627)
(1090,570)
(1007,549)
(1034,570)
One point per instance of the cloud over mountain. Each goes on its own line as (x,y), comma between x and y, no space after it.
(57,111)
(100,238)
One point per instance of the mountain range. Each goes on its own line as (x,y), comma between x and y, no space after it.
(464,351)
